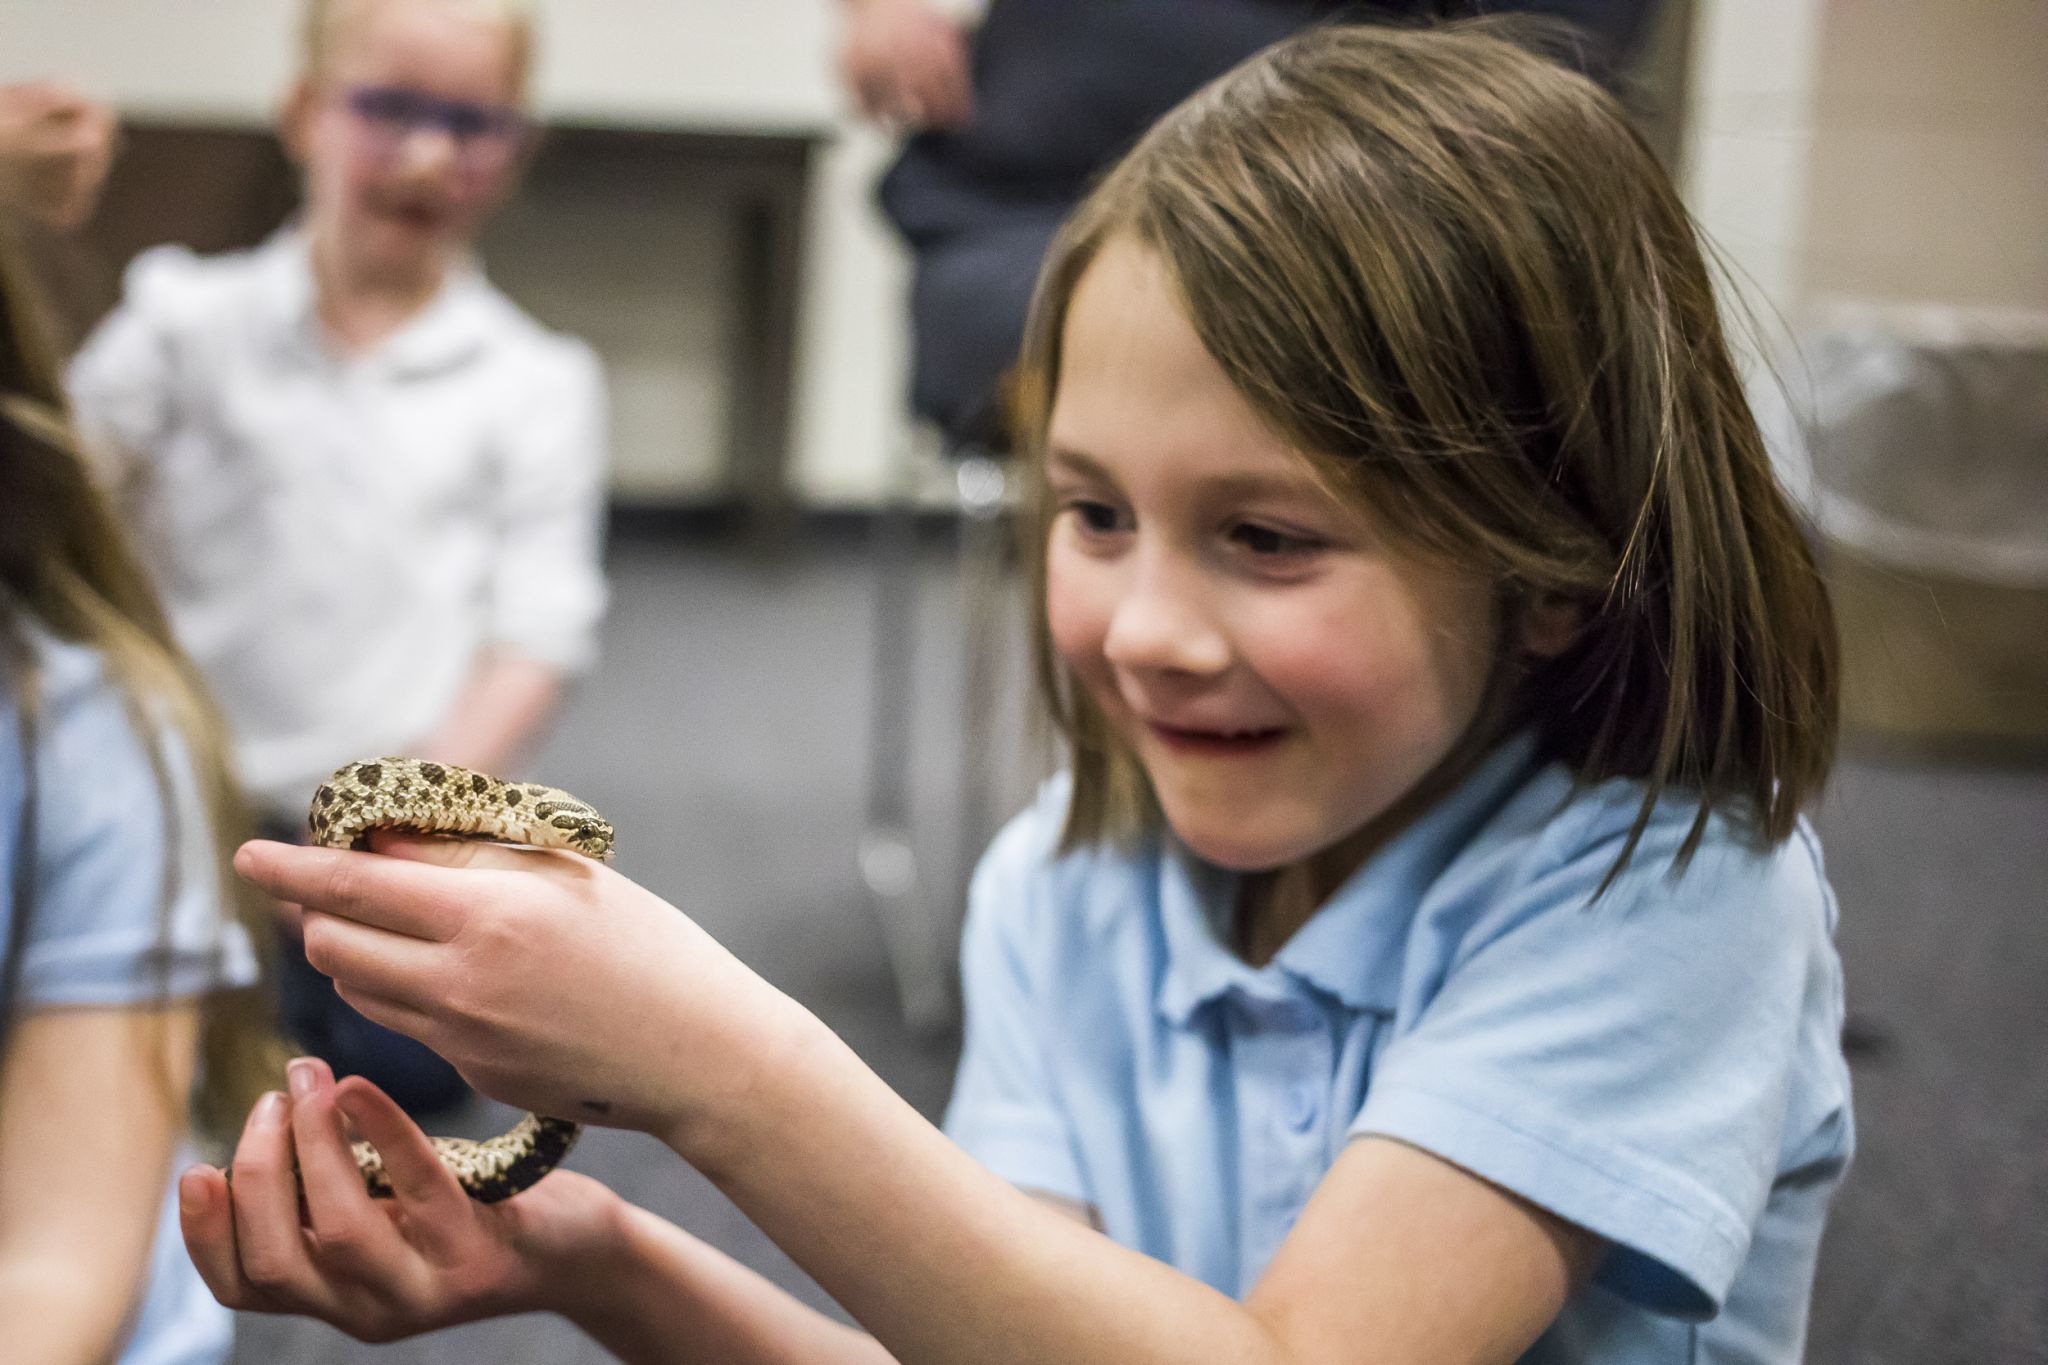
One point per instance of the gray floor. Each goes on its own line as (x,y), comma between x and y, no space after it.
(725,734)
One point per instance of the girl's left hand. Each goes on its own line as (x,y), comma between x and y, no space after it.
(548,980)
(298,1233)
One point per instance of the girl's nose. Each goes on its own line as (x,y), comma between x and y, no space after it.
(1164,622)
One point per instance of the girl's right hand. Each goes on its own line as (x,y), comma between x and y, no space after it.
(381,1269)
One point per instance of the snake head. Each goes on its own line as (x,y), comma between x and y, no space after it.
(585,831)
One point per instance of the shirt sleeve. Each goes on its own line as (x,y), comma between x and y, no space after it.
(120,382)
(127,904)
(547,587)
(1004,1111)
(1625,1062)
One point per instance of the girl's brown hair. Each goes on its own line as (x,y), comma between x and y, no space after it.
(1448,271)
(67,568)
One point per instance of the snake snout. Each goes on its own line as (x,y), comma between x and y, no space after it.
(587,834)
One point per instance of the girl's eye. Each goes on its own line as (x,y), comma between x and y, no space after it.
(1097,518)
(1269,542)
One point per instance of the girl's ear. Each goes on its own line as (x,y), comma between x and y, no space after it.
(1549,623)
(295,118)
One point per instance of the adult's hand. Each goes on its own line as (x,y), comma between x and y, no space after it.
(379,1270)
(906,64)
(55,147)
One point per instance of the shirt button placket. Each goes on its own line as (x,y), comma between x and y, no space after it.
(1288,1069)
(1305,1102)
(1303,1107)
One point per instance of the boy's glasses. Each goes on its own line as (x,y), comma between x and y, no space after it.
(485,136)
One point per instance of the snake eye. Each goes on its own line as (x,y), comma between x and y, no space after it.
(589,834)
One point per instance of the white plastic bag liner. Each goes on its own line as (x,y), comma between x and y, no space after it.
(1918,435)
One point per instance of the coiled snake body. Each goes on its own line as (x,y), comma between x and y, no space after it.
(441,799)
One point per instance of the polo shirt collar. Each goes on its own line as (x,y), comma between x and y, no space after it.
(1353,948)
(452,329)
(1194,907)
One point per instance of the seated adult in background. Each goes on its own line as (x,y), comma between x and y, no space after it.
(1012,118)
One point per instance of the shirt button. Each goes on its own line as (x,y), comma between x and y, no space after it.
(1296,1016)
(1302,1108)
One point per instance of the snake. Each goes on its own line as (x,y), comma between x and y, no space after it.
(441,799)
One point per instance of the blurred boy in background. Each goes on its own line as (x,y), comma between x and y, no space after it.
(369,486)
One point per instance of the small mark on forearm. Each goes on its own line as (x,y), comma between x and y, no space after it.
(598,1106)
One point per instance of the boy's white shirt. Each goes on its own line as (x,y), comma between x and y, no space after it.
(337,537)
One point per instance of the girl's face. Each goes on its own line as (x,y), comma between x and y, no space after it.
(1282,673)
(410,135)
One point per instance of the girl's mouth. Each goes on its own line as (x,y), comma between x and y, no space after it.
(1218,743)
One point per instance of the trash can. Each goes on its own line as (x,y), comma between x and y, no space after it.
(1917,436)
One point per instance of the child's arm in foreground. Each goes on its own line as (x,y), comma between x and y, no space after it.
(91,1108)
(552,982)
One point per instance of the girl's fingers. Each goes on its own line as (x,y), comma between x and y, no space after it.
(402,895)
(474,854)
(372,961)
(349,1233)
(422,1186)
(397,1015)
(264,1200)
(209,1229)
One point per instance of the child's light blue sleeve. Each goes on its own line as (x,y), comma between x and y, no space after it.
(547,587)
(127,904)
(1004,1110)
(1632,1064)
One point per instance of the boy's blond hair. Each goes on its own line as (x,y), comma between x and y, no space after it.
(327,20)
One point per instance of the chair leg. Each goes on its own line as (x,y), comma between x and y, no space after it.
(887,856)
(982,482)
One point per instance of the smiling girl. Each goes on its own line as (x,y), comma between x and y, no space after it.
(1423,961)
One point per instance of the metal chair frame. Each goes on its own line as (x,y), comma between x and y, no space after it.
(917,912)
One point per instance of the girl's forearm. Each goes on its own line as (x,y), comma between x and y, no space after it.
(57,1315)
(667,1298)
(80,1195)
(939,1258)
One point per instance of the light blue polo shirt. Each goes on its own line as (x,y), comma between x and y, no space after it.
(1661,1065)
(99,936)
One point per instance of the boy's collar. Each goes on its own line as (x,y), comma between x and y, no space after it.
(1354,946)
(449,330)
